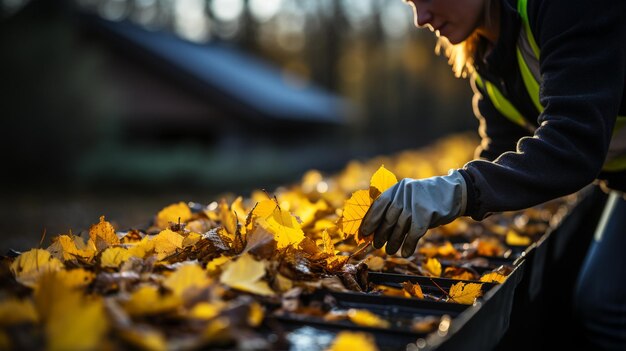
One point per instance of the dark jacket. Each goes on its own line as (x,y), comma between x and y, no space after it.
(583,64)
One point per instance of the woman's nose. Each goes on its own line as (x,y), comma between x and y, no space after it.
(421,13)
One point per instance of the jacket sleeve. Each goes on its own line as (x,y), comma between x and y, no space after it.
(497,133)
(582,64)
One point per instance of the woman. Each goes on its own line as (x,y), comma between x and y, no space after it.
(548,77)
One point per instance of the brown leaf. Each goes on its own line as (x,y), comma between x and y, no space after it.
(260,243)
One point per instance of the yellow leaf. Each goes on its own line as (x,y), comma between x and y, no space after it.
(354,211)
(255,315)
(142,248)
(239,209)
(205,310)
(191,239)
(433,266)
(493,277)
(299,205)
(166,243)
(147,300)
(14,311)
(173,213)
(367,318)
(329,247)
(71,321)
(187,276)
(353,341)
(76,278)
(245,274)
(64,248)
(390,291)
(465,293)
(374,263)
(335,263)
(412,290)
(284,226)
(382,180)
(30,265)
(514,239)
(145,339)
(264,208)
(217,330)
(283,283)
(489,247)
(286,229)
(459,273)
(114,256)
(215,263)
(103,232)
(228,219)
(323,224)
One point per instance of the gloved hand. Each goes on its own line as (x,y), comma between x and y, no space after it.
(411,207)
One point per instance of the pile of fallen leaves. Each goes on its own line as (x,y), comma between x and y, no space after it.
(212,276)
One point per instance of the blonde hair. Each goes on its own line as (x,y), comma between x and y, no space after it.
(461,56)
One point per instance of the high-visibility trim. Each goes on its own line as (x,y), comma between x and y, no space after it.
(528,54)
(616,158)
(532,86)
(522,8)
(502,104)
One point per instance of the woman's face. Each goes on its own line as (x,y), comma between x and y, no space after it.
(454,19)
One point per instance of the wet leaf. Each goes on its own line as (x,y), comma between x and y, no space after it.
(465,293)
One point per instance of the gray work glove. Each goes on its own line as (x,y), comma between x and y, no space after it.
(405,211)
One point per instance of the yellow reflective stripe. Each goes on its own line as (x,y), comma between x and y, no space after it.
(523,11)
(618,163)
(502,104)
(532,86)
(619,123)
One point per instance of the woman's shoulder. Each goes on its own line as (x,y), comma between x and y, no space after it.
(549,18)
